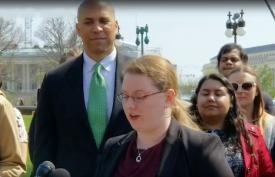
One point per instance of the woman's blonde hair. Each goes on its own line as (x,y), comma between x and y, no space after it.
(163,74)
(258,102)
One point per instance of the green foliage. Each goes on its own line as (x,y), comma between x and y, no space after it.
(29,168)
(267,80)
(27,120)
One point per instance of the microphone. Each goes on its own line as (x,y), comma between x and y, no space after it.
(44,169)
(60,172)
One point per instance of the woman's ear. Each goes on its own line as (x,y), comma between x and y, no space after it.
(170,96)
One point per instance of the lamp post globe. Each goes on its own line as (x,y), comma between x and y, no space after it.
(235,26)
(140,31)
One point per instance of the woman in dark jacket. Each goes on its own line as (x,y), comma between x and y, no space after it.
(165,141)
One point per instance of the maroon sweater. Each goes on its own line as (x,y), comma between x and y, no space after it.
(147,167)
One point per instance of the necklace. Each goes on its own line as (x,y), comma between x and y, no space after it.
(138,157)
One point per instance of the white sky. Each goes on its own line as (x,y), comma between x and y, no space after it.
(188,34)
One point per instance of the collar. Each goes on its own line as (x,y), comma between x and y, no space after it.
(168,154)
(106,62)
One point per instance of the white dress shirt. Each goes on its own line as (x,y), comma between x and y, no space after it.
(108,71)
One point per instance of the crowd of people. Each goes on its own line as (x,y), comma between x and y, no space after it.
(215,109)
(104,114)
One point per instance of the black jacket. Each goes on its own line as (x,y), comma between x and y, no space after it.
(187,153)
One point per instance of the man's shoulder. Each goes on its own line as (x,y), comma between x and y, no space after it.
(123,57)
(5,106)
(61,70)
(68,65)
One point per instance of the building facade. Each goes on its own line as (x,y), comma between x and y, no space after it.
(22,70)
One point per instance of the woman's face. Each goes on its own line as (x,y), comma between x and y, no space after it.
(213,102)
(144,105)
(245,88)
(229,62)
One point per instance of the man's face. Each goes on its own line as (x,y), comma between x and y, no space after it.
(97,28)
(229,62)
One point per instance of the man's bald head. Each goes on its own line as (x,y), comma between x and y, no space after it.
(91,4)
(97,28)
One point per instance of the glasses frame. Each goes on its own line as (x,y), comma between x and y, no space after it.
(242,85)
(122,97)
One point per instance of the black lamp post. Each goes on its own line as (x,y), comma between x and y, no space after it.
(118,35)
(236,27)
(142,30)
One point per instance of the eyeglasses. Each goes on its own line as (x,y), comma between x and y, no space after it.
(245,86)
(137,99)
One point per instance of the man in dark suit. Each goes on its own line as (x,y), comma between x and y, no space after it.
(63,134)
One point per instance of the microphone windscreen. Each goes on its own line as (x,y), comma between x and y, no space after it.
(48,164)
(44,169)
(60,172)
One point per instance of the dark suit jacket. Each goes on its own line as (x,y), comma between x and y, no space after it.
(187,153)
(62,133)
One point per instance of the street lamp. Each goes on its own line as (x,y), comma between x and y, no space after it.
(118,35)
(236,27)
(142,30)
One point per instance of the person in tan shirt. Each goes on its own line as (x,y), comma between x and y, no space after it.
(12,157)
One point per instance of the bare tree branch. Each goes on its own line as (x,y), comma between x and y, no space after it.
(10,35)
(58,37)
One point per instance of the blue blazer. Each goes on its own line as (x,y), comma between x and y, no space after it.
(187,153)
(62,133)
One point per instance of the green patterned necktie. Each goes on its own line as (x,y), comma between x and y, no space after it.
(97,105)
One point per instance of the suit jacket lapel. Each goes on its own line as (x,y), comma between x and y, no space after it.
(119,149)
(168,161)
(117,106)
(170,150)
(75,78)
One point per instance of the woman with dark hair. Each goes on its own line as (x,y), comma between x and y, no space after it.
(248,92)
(215,109)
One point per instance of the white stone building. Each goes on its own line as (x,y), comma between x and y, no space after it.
(22,70)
